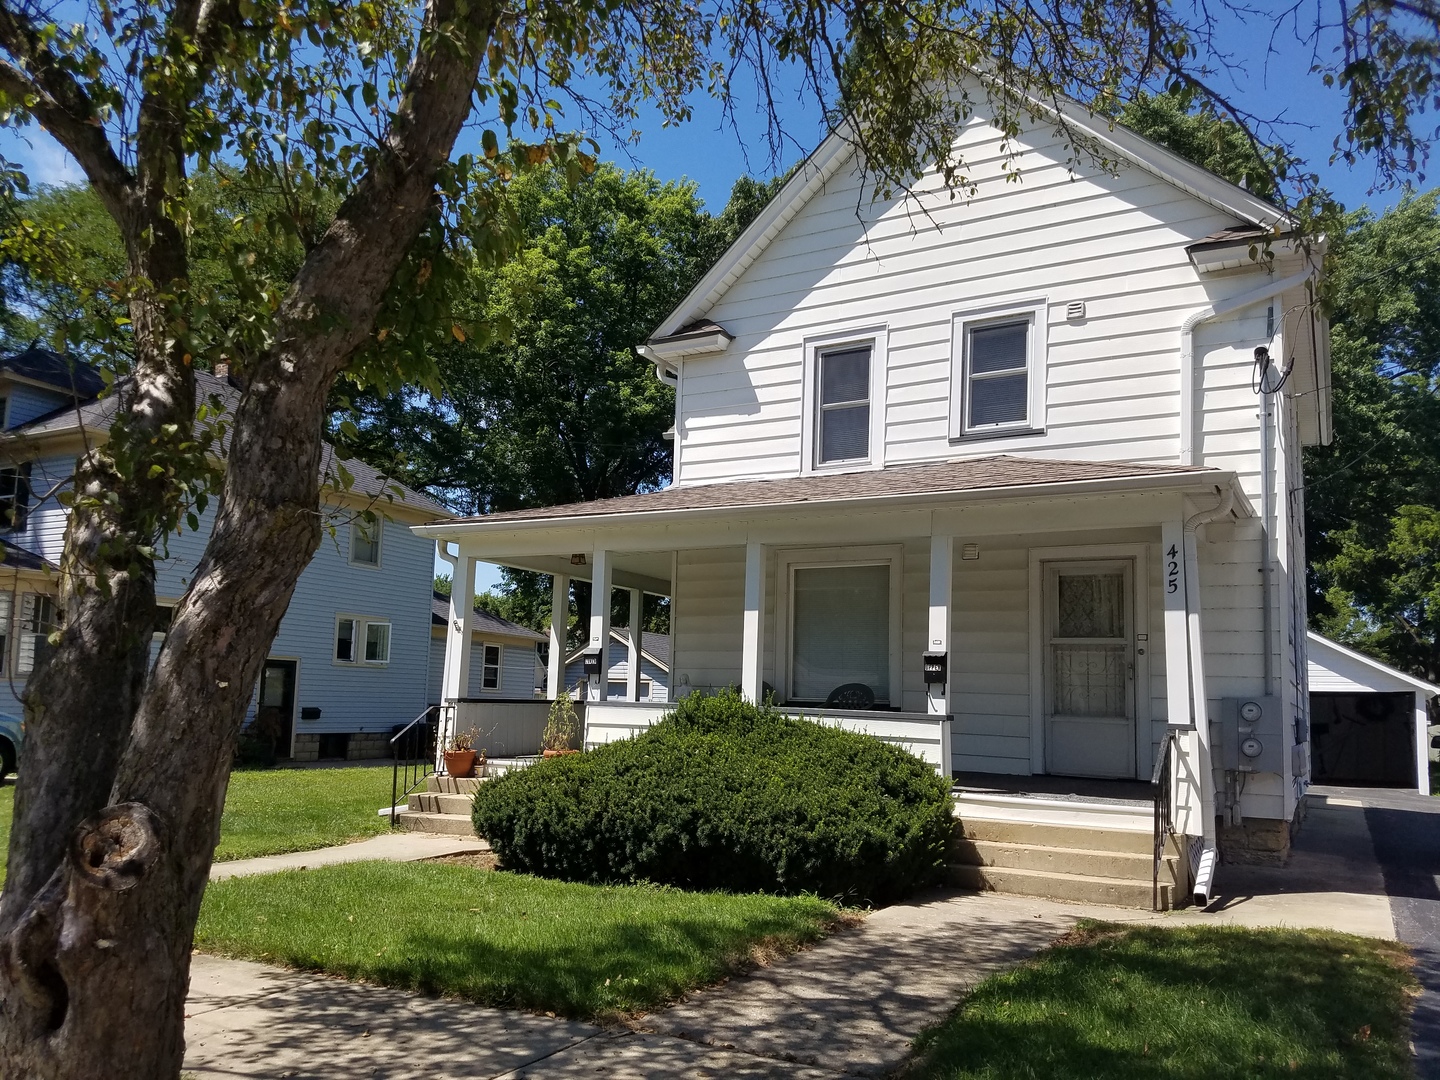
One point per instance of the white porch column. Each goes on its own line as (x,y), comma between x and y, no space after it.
(752,646)
(459,635)
(1422,744)
(1199,687)
(600,623)
(559,621)
(1177,631)
(637,627)
(942,554)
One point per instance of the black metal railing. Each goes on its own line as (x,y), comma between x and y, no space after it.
(412,749)
(1162,783)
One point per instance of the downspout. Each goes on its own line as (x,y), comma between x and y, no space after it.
(1203,866)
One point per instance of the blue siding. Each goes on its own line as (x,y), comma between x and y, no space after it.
(620,668)
(28,402)
(519,675)
(44,529)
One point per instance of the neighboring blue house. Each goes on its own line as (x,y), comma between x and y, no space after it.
(350,660)
(505,657)
(654,666)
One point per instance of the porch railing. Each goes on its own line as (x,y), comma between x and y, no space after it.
(412,756)
(1163,782)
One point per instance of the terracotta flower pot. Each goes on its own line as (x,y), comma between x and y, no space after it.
(459,763)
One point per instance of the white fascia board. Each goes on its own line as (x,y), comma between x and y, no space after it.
(809,177)
(1324,644)
(1183,483)
(690,345)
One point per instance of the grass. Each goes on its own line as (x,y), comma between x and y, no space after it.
(272,811)
(1181,1003)
(504,939)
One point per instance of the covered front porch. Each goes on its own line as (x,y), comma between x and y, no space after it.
(1000,617)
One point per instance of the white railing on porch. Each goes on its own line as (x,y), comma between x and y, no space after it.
(925,735)
(504,728)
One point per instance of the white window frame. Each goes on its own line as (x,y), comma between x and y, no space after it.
(1036,314)
(8,614)
(811,558)
(25,633)
(499,666)
(357,642)
(355,526)
(877,338)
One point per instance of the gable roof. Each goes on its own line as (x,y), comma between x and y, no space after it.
(18,558)
(64,373)
(838,148)
(936,478)
(98,414)
(1384,672)
(485,623)
(654,647)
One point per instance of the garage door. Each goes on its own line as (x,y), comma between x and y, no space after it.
(1363,739)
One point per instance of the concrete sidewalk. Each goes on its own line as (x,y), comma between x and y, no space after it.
(390,847)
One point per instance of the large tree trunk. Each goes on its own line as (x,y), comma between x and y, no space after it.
(95,969)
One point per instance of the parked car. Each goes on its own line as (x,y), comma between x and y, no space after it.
(12,733)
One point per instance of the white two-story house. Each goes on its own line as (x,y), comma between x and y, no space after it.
(1023,466)
(350,660)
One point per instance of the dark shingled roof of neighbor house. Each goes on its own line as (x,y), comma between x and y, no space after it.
(484,621)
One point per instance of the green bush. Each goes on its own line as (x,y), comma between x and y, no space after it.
(722,794)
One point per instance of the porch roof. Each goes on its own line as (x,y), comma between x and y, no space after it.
(995,475)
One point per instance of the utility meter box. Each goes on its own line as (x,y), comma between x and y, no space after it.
(1253,734)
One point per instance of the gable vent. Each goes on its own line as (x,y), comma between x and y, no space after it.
(970,551)
(1076,311)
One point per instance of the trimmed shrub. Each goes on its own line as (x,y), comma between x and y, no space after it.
(722,794)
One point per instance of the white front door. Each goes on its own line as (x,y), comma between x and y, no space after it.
(1090,669)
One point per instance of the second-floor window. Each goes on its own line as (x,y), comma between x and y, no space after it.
(997,372)
(365,532)
(14,496)
(842,421)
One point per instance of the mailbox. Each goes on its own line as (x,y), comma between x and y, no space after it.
(592,663)
(935,664)
(310,712)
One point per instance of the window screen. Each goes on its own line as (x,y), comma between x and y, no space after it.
(38,620)
(490,674)
(998,383)
(840,630)
(377,643)
(844,412)
(365,540)
(345,640)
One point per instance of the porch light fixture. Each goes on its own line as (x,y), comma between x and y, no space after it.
(577,559)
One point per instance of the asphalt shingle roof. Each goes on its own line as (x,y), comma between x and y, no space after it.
(484,621)
(51,368)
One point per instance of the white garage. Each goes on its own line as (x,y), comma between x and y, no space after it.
(1369,724)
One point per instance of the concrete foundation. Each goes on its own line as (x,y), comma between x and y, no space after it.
(1259,841)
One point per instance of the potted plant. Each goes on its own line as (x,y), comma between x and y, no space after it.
(562,728)
(460,754)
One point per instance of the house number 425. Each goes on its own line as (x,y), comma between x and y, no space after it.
(1172,570)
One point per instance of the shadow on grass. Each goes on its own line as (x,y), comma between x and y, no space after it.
(1185,1002)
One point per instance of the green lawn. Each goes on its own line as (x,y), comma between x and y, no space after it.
(1181,1003)
(273,811)
(503,939)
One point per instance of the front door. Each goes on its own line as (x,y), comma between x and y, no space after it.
(275,711)
(1089,669)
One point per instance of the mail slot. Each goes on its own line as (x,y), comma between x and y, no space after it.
(935,666)
(592,663)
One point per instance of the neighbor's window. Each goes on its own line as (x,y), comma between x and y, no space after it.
(490,670)
(38,620)
(996,373)
(7,601)
(842,428)
(361,641)
(365,539)
(14,496)
(840,630)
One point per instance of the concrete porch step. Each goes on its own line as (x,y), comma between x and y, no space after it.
(1086,837)
(434,802)
(1086,862)
(442,824)
(1076,888)
(1061,811)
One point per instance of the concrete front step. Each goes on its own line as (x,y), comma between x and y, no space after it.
(1087,862)
(432,802)
(443,824)
(1089,838)
(1075,888)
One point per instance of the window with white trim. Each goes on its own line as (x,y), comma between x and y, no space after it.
(839,629)
(997,371)
(39,619)
(365,532)
(842,405)
(7,606)
(14,496)
(490,667)
(359,640)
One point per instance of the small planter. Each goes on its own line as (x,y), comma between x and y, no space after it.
(557,753)
(459,763)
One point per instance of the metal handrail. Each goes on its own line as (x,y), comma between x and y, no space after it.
(1162,783)
(417,764)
